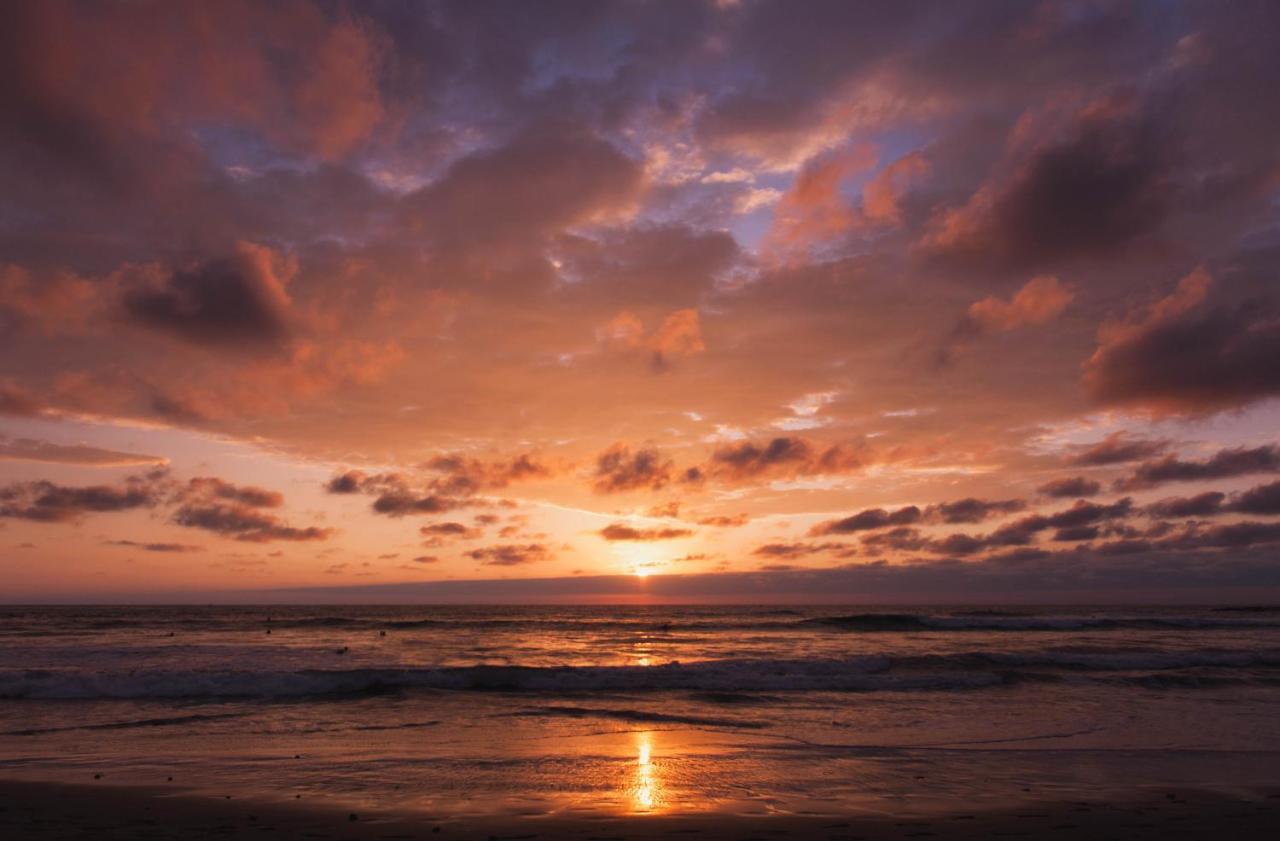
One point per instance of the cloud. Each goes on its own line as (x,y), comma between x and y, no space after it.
(679,335)
(968,510)
(619,469)
(157,547)
(1237,461)
(511,554)
(401,502)
(1202,505)
(782,457)
(882,196)
(813,211)
(725,521)
(18,402)
(1039,301)
(1087,192)
(1263,499)
(871,518)
(1069,486)
(231,300)
(208,487)
(1084,513)
(449,530)
(28,449)
(463,476)
(621,531)
(453,482)
(971,510)
(800,550)
(1117,448)
(514,195)
(239,511)
(46,502)
(1187,356)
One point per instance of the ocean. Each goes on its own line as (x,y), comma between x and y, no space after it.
(613,710)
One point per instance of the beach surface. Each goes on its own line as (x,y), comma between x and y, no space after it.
(724,722)
(65,811)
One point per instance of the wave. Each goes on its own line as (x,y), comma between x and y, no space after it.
(868,673)
(636,716)
(167,721)
(681,623)
(994,621)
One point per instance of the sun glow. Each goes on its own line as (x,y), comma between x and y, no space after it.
(642,560)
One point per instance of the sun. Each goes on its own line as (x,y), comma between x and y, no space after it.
(641,560)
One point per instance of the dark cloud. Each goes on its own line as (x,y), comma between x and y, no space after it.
(1263,499)
(244,523)
(621,531)
(449,530)
(462,476)
(1089,193)
(901,539)
(243,512)
(1228,536)
(1070,486)
(1202,505)
(619,468)
(782,457)
(1237,461)
(346,483)
(1076,533)
(46,502)
(210,487)
(799,550)
(400,503)
(1084,513)
(973,510)
(230,300)
(157,547)
(511,554)
(455,482)
(1189,354)
(871,518)
(1117,448)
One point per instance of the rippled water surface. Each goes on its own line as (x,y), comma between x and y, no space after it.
(465,710)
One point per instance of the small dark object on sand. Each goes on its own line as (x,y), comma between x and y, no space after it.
(382,633)
(353,817)
(97,776)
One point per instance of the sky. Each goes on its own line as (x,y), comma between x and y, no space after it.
(676,301)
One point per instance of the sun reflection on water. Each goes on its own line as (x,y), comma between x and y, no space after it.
(646,783)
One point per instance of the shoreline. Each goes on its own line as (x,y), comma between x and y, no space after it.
(56,811)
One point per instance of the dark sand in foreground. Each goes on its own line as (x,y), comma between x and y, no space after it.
(57,811)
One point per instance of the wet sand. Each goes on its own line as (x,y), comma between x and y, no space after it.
(31,810)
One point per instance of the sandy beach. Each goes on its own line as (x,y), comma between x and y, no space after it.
(31,810)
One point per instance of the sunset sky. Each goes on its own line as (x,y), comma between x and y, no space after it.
(820,300)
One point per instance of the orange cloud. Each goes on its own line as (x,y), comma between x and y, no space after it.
(813,210)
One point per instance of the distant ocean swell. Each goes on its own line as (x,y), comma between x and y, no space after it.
(937,673)
(766,621)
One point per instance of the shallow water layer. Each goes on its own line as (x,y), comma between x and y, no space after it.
(644,710)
